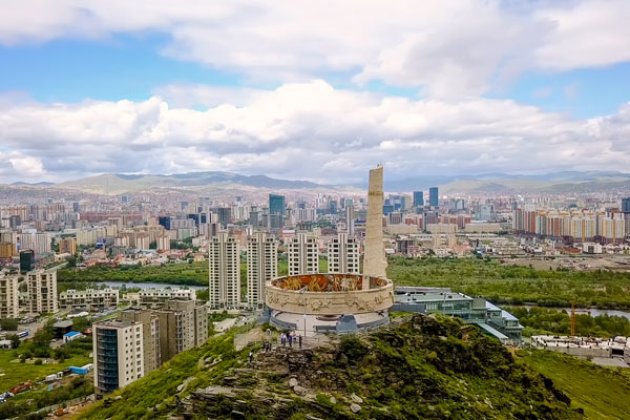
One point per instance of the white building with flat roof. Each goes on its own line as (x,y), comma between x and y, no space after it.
(42,291)
(89,299)
(9,296)
(118,354)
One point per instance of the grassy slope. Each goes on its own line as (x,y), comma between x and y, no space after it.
(512,284)
(474,377)
(602,393)
(15,372)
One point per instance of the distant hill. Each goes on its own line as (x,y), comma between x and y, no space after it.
(501,183)
(123,183)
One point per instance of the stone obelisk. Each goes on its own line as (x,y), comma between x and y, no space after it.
(374,262)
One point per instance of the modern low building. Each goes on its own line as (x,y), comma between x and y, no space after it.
(157,298)
(118,354)
(89,299)
(9,296)
(487,316)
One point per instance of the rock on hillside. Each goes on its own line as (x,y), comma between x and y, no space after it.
(428,367)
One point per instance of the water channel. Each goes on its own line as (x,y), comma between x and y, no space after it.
(148,285)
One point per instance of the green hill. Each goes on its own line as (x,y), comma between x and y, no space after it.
(427,367)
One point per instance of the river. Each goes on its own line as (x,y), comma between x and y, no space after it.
(148,285)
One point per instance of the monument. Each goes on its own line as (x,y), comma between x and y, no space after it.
(339,302)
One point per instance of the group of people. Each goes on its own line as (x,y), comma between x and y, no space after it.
(290,338)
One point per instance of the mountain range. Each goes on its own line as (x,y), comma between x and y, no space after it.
(216,181)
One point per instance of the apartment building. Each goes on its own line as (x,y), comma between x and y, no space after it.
(150,335)
(118,354)
(343,254)
(303,254)
(262,267)
(9,303)
(183,325)
(224,272)
(42,291)
(89,299)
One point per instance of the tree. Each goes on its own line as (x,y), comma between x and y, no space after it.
(9,324)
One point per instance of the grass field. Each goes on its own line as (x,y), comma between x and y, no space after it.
(603,393)
(12,372)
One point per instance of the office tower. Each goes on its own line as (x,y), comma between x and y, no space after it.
(224,216)
(9,304)
(42,291)
(343,254)
(150,335)
(14,221)
(434,197)
(262,267)
(374,263)
(68,246)
(225,272)
(118,349)
(277,208)
(303,254)
(183,326)
(27,260)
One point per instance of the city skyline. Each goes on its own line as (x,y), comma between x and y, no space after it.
(295,91)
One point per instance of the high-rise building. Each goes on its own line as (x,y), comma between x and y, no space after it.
(625,205)
(262,266)
(374,261)
(434,197)
(150,321)
(9,303)
(343,254)
(118,348)
(277,209)
(303,254)
(27,260)
(42,291)
(225,272)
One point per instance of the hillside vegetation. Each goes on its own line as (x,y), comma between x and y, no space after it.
(428,367)
(513,284)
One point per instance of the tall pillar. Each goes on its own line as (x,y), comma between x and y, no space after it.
(374,262)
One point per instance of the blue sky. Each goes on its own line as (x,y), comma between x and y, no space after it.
(465,86)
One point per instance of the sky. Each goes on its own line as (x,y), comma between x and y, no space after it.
(315,90)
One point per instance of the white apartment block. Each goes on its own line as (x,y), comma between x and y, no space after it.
(42,291)
(225,272)
(303,254)
(89,299)
(262,267)
(9,303)
(343,255)
(157,297)
(118,354)
(38,242)
(89,237)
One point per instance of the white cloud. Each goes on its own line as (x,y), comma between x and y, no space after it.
(449,49)
(305,131)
